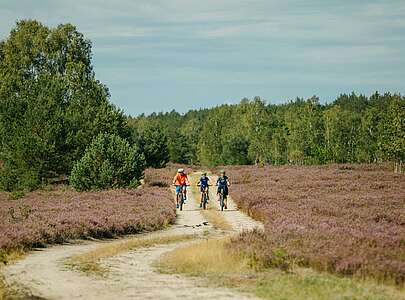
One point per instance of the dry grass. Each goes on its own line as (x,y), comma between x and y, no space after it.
(207,258)
(2,289)
(215,218)
(90,261)
(215,261)
(7,258)
(10,257)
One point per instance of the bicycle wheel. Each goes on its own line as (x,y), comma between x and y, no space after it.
(222,203)
(181,201)
(205,201)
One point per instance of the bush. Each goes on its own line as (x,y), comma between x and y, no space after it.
(109,162)
(19,179)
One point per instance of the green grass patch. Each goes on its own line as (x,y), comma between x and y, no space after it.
(309,284)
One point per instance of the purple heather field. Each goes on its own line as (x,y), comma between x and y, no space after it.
(348,219)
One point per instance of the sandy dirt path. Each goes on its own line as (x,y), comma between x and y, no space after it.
(43,272)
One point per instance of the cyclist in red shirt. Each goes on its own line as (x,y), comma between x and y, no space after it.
(181,182)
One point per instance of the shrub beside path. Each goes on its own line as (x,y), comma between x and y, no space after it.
(43,273)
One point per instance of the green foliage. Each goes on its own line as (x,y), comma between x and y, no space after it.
(152,141)
(235,151)
(51,104)
(353,129)
(392,139)
(258,126)
(109,162)
(212,137)
(16,195)
(180,149)
(342,135)
(181,133)
(17,178)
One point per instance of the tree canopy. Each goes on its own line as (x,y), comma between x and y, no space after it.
(352,129)
(51,104)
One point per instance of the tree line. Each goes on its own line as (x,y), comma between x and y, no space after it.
(352,129)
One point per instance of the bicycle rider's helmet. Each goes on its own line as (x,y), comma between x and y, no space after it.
(180,170)
(204,173)
(222,172)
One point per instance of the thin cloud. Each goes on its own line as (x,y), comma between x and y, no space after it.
(121,32)
(164,51)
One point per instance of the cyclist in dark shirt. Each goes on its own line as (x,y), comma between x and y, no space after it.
(223,184)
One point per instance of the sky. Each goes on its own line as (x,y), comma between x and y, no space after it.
(160,55)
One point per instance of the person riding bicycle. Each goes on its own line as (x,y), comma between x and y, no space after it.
(203,183)
(223,184)
(181,182)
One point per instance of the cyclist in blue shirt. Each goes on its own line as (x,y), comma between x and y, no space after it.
(203,184)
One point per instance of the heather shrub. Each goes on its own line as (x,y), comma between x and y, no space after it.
(253,245)
(347,219)
(163,177)
(109,162)
(47,217)
(159,177)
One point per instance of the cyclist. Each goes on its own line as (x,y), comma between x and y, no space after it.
(203,184)
(223,184)
(181,182)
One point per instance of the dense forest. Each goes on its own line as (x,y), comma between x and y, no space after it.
(352,129)
(57,121)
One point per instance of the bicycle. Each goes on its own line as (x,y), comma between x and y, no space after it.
(222,199)
(205,197)
(182,195)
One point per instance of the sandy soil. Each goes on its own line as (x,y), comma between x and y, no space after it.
(43,273)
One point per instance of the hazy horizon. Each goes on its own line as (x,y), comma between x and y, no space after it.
(181,55)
